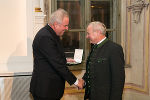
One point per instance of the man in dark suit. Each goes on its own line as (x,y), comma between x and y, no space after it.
(50,70)
(105,76)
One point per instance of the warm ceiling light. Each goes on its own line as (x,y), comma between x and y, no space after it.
(92,6)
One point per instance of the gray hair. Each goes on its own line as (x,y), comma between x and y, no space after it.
(58,16)
(98,26)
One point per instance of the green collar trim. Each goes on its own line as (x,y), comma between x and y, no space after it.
(99,45)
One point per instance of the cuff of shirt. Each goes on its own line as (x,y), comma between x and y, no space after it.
(76,83)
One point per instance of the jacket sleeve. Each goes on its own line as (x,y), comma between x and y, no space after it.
(50,50)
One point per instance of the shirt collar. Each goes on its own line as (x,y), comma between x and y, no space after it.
(101,41)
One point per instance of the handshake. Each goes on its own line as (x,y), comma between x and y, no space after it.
(81,84)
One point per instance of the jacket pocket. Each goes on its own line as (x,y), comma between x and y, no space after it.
(102,60)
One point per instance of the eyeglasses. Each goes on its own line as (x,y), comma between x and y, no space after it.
(65,25)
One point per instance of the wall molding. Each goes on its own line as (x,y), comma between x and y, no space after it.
(136,9)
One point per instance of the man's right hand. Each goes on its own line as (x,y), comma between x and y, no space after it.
(80,84)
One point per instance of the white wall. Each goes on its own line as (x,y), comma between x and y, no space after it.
(136,42)
(13,28)
(16,35)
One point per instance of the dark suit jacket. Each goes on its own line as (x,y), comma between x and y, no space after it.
(50,70)
(107,74)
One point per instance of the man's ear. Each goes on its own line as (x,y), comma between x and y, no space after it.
(98,32)
(54,26)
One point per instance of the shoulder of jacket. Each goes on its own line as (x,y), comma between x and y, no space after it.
(112,45)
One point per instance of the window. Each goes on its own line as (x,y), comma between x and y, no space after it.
(81,13)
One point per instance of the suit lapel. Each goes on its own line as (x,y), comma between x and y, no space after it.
(99,47)
(96,47)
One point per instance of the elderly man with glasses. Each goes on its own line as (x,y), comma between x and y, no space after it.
(50,70)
